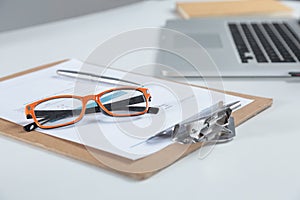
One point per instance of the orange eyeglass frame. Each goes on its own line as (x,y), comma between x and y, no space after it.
(30,113)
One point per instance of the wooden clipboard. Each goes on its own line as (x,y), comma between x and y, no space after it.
(138,169)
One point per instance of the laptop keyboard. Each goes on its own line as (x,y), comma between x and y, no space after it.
(266,42)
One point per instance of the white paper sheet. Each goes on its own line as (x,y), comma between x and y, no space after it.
(111,134)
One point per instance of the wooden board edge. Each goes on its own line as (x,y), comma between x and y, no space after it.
(32,70)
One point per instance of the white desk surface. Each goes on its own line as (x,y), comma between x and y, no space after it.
(262,162)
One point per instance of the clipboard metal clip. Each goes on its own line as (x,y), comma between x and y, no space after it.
(213,124)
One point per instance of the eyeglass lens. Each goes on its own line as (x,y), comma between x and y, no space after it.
(58,111)
(124,102)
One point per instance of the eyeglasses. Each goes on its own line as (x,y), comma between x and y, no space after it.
(63,110)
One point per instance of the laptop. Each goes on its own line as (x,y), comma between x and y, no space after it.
(242,47)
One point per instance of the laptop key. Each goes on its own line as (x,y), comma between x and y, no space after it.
(287,57)
(265,43)
(239,42)
(259,55)
(292,32)
(288,40)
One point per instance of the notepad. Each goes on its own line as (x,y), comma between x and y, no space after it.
(231,8)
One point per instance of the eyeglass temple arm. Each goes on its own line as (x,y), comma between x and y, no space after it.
(59,114)
(119,105)
(55,114)
(47,115)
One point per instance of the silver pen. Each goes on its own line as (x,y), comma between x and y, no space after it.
(95,77)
